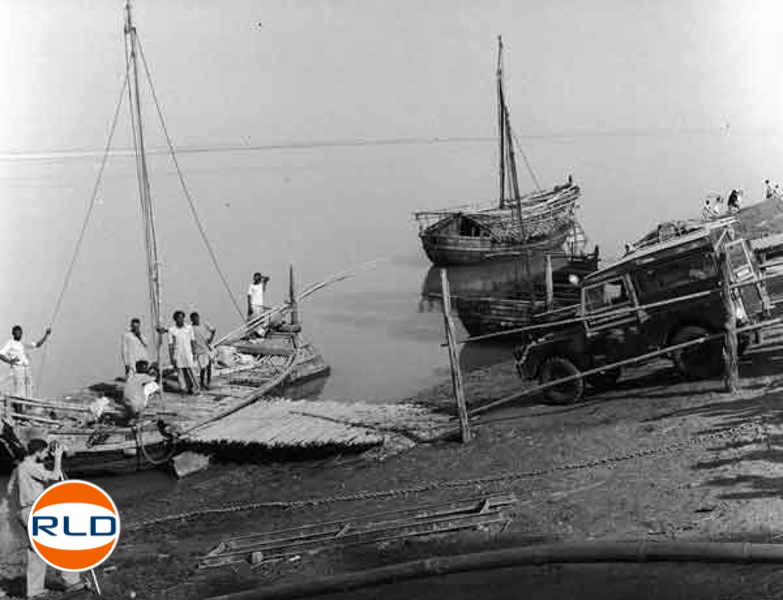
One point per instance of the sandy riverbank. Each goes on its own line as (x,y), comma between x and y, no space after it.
(698,478)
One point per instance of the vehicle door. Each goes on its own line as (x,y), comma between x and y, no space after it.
(750,289)
(611,319)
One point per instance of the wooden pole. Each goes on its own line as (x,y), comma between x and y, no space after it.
(550,285)
(292,297)
(456,374)
(731,366)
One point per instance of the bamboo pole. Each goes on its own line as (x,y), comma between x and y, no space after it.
(621,363)
(730,354)
(550,286)
(456,374)
(609,313)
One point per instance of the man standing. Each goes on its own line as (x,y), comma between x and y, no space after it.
(27,482)
(14,352)
(182,350)
(133,347)
(768,192)
(255,298)
(203,334)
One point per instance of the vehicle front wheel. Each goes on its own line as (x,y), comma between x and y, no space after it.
(700,360)
(567,392)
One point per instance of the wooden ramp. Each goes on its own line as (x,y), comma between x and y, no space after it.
(283,427)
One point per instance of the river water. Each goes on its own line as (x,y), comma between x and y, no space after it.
(322,210)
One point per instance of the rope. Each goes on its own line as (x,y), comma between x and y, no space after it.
(87,216)
(192,206)
(524,157)
(140,446)
(503,478)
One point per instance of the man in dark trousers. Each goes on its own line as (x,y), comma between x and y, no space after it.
(28,481)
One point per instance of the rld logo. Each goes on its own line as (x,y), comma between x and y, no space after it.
(74,525)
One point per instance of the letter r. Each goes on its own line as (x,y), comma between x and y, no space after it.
(44,527)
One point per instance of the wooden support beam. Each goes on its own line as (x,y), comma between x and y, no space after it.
(730,354)
(456,373)
(550,286)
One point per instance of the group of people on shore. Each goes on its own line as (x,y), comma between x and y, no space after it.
(718,208)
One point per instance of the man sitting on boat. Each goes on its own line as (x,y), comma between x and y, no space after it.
(14,353)
(133,347)
(139,386)
(255,299)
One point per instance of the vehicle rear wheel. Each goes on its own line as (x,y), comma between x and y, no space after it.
(568,392)
(604,380)
(700,360)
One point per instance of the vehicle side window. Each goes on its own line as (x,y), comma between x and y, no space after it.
(664,277)
(606,295)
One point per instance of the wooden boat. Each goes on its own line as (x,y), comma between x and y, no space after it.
(541,220)
(516,305)
(95,431)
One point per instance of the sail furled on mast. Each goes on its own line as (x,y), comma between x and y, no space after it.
(142,175)
(509,185)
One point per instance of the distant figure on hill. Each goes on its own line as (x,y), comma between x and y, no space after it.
(718,208)
(768,192)
(733,203)
(706,211)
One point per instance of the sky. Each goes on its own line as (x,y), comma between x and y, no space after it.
(256,72)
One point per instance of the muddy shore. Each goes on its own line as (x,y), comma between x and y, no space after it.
(658,458)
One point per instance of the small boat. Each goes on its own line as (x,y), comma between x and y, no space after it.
(541,220)
(96,432)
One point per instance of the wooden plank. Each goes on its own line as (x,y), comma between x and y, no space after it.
(456,374)
(731,355)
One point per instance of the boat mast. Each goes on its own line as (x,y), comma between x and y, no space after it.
(508,166)
(142,175)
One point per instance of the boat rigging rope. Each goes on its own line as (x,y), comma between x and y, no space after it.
(524,157)
(90,207)
(755,429)
(191,205)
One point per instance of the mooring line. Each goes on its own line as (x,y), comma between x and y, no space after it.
(457,483)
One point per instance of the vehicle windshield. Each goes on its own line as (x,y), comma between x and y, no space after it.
(606,295)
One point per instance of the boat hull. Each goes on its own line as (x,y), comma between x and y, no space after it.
(450,249)
(512,306)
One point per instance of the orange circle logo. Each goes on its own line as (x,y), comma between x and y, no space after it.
(74,525)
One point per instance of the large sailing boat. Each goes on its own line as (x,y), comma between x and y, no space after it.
(541,220)
(98,436)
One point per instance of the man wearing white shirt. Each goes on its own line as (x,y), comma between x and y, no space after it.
(14,353)
(255,297)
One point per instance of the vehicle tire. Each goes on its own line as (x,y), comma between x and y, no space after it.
(699,361)
(604,380)
(558,367)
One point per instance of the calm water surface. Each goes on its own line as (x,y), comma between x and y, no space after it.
(322,210)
